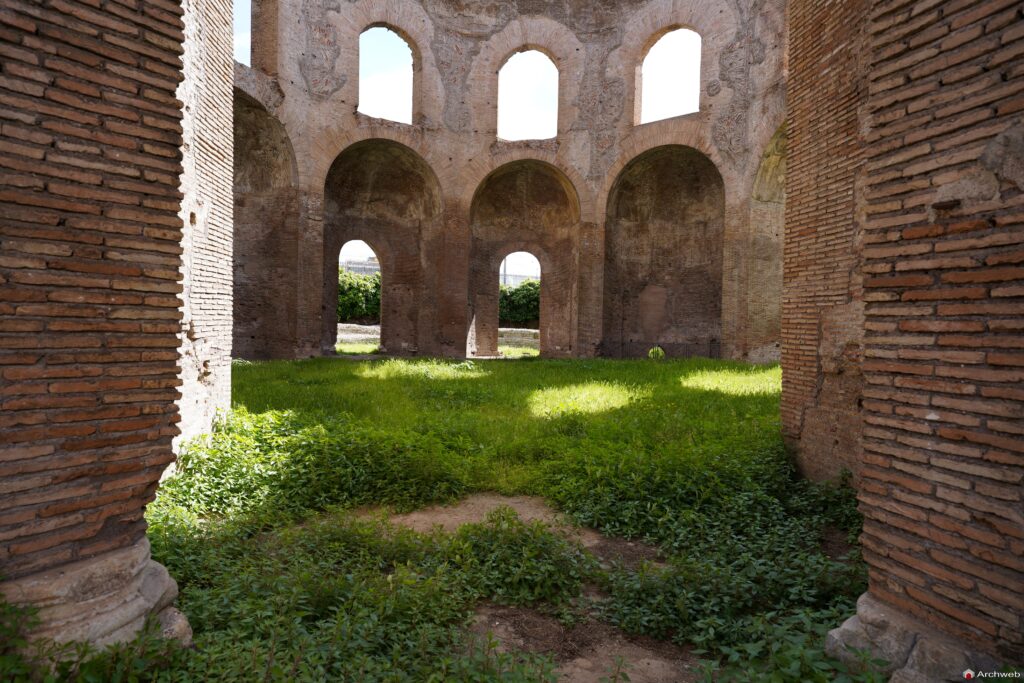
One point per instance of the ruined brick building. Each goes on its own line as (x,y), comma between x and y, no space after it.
(849,193)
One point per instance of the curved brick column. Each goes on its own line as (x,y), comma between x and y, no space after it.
(102,600)
(91,272)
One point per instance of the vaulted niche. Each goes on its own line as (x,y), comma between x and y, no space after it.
(383,193)
(668,80)
(266,214)
(524,206)
(386,75)
(528,97)
(663,256)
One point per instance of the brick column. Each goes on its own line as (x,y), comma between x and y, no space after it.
(943,441)
(90,260)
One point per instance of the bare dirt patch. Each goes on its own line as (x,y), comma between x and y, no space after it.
(475,508)
(587,652)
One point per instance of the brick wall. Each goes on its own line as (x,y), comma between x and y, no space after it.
(90,262)
(944,317)
(206,213)
(822,308)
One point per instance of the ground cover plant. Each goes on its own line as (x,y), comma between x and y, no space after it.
(281,582)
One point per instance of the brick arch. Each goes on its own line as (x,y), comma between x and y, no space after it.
(527,205)
(384,193)
(524,33)
(324,151)
(266,243)
(714,21)
(472,176)
(693,133)
(664,251)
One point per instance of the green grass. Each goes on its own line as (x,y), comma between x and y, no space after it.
(357,348)
(518,352)
(280,582)
(506,420)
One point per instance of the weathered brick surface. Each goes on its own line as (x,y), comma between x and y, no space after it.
(206,213)
(697,271)
(89,273)
(914,153)
(822,303)
(945,224)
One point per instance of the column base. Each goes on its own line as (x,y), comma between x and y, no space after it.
(102,600)
(915,652)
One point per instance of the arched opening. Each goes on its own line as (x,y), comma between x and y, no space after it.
(668,80)
(360,281)
(384,194)
(764,255)
(266,236)
(386,67)
(524,206)
(664,240)
(528,97)
(519,305)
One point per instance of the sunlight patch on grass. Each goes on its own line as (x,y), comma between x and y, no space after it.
(518,352)
(422,369)
(591,397)
(357,348)
(737,382)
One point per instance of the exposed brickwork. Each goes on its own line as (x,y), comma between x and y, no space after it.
(206,213)
(905,292)
(89,272)
(722,298)
(944,317)
(822,310)
(663,256)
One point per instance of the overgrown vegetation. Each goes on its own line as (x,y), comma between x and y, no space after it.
(358,297)
(281,582)
(519,306)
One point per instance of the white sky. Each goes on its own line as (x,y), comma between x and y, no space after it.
(671,77)
(385,75)
(528,97)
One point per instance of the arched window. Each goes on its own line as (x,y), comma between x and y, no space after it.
(528,97)
(385,75)
(359,298)
(668,82)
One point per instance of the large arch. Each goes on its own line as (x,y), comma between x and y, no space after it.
(266,209)
(526,205)
(383,193)
(664,239)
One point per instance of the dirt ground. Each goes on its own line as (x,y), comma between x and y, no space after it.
(607,549)
(587,652)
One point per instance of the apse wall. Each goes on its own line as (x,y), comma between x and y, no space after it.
(306,74)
